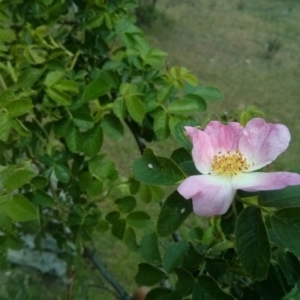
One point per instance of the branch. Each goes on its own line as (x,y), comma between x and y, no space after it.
(106,274)
(134,128)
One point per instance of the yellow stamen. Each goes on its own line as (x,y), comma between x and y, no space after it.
(229,163)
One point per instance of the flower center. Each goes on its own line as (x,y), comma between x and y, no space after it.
(229,163)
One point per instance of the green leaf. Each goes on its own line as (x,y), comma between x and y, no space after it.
(145,193)
(39,182)
(216,267)
(19,107)
(196,234)
(7,35)
(288,197)
(93,140)
(126,204)
(293,294)
(94,22)
(83,120)
(252,243)
(161,125)
(102,226)
(134,186)
(94,187)
(173,213)
(286,224)
(156,170)
(5,220)
(119,108)
(177,130)
(43,199)
(130,240)
(290,266)
(199,101)
(66,86)
(148,275)
(111,77)
(207,288)
(174,255)
(219,247)
(74,139)
(165,93)
(20,209)
(228,220)
(209,93)
(4,125)
(193,260)
(28,77)
(20,128)
(185,278)
(112,126)
(149,249)
(158,194)
(188,77)
(272,287)
(139,219)
(62,127)
(100,168)
(62,173)
(96,88)
(186,106)
(53,77)
(154,57)
(185,161)
(17,179)
(135,108)
(112,217)
(60,97)
(118,228)
(76,217)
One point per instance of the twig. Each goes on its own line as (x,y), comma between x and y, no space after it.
(106,274)
(134,128)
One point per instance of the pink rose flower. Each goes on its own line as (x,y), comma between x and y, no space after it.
(226,155)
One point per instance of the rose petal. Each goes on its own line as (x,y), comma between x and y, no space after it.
(261,143)
(259,181)
(224,137)
(202,151)
(212,195)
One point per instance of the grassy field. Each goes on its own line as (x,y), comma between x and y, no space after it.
(229,44)
(232,45)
